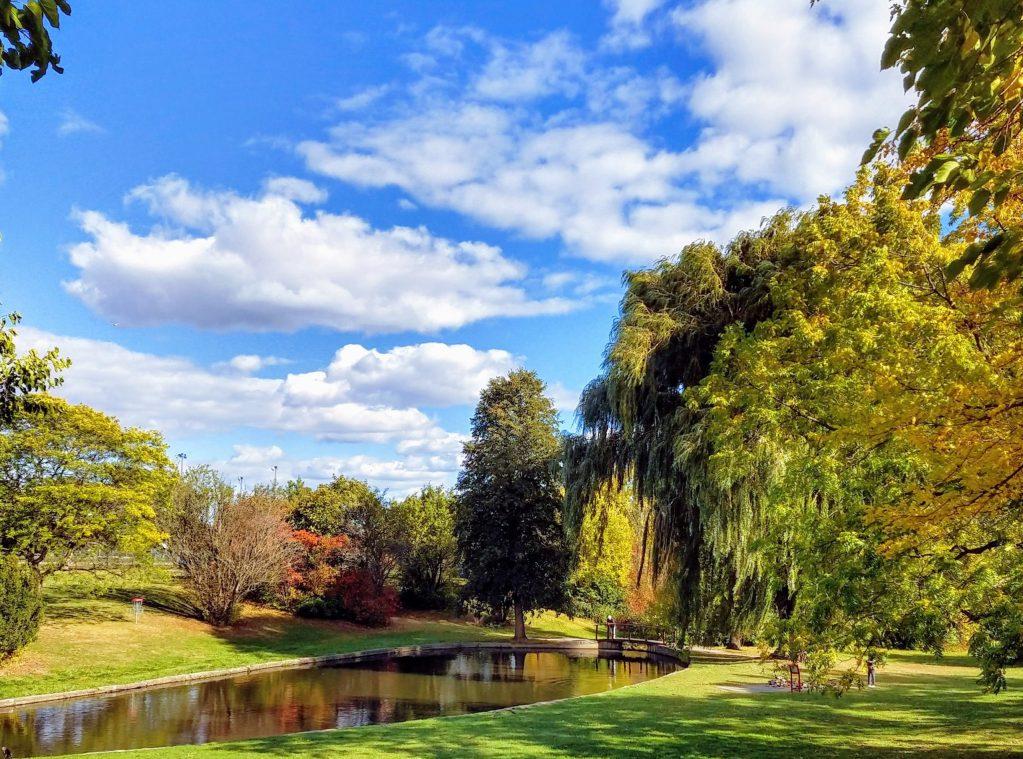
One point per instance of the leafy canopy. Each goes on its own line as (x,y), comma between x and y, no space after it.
(74,482)
(964,60)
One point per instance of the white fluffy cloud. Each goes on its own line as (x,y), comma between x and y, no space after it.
(224,261)
(794,91)
(608,194)
(428,374)
(787,102)
(363,396)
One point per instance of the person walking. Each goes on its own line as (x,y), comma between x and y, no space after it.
(871,669)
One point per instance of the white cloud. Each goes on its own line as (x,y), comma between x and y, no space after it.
(250,363)
(362,99)
(233,262)
(608,194)
(627,25)
(178,397)
(785,107)
(398,476)
(794,93)
(428,374)
(523,71)
(293,188)
(72,122)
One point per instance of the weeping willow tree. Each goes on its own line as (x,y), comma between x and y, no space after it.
(824,426)
(638,426)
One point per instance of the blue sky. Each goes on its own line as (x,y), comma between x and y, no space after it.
(306,239)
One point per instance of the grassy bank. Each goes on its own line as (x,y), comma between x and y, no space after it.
(920,707)
(89,637)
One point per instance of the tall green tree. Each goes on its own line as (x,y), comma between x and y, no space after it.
(74,482)
(510,502)
(26,39)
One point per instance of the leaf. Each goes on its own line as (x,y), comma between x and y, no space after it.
(978,201)
(906,143)
(907,118)
(880,135)
(944,172)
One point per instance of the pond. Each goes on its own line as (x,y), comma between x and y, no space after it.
(274,702)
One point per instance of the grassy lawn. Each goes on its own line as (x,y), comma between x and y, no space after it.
(89,638)
(921,706)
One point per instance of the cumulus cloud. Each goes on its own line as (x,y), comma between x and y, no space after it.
(787,101)
(793,93)
(223,261)
(364,396)
(428,374)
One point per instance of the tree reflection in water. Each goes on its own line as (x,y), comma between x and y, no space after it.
(288,701)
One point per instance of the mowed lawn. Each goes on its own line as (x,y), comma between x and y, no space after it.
(921,706)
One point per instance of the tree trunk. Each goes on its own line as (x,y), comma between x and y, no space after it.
(734,641)
(520,622)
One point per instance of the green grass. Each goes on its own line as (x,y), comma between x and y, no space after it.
(921,706)
(89,638)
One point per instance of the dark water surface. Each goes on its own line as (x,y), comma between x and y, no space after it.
(292,700)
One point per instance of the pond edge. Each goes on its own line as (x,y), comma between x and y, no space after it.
(539,644)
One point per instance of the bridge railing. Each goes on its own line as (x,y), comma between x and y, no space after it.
(635,631)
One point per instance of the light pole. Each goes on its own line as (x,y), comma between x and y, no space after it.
(181,462)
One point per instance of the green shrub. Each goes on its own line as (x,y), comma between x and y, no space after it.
(21,606)
(596,597)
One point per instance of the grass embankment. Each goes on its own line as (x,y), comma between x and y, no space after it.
(89,638)
(920,707)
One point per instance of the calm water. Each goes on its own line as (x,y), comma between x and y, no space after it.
(289,701)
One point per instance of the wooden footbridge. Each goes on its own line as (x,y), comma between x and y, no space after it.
(631,636)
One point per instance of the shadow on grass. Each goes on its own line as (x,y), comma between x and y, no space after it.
(919,719)
(165,599)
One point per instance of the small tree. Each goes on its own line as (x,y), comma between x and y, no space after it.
(74,482)
(428,550)
(326,510)
(509,514)
(227,546)
(351,508)
(21,605)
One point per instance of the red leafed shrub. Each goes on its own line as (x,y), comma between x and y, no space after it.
(362,600)
(319,586)
(317,562)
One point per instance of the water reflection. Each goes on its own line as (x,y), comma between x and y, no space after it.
(288,701)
